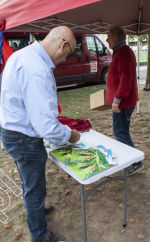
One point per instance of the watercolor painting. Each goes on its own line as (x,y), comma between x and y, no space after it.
(84,161)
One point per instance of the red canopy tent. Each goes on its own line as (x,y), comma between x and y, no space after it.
(86,15)
(94,16)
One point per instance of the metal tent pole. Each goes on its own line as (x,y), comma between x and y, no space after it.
(138,70)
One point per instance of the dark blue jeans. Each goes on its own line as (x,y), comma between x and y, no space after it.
(121,127)
(30,157)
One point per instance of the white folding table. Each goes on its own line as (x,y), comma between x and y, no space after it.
(125,156)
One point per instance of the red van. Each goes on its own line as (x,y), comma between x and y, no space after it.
(89,63)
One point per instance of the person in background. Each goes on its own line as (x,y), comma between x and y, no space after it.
(15,46)
(28,114)
(121,88)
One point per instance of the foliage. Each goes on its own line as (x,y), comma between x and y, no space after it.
(143,37)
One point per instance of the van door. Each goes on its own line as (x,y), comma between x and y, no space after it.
(70,72)
(90,69)
(103,60)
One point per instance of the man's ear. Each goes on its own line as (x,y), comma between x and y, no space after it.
(63,45)
(115,37)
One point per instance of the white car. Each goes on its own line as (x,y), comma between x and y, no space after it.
(144,48)
(134,48)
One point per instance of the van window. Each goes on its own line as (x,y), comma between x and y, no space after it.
(78,48)
(16,44)
(91,45)
(19,40)
(99,47)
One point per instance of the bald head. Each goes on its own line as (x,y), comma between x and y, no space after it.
(59,43)
(61,32)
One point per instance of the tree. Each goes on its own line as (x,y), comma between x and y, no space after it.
(147,84)
(145,37)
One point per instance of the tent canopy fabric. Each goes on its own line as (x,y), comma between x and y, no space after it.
(19,12)
(94,16)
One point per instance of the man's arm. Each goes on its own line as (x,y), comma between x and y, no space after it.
(40,100)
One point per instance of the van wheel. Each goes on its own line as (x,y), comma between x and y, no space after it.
(103,77)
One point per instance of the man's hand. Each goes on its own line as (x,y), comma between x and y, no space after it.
(115,107)
(75,136)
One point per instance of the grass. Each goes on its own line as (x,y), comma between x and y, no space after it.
(22,215)
(79,98)
(115,187)
(19,205)
(76,103)
(59,197)
(143,56)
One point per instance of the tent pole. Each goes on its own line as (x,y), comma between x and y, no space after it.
(138,71)
(127,39)
(138,51)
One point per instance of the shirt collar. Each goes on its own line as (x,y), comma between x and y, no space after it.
(42,52)
(118,45)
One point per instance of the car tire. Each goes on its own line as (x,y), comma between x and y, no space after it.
(103,77)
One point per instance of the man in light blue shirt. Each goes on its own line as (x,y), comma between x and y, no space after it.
(29,113)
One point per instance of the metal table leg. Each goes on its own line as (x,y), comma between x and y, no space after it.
(83,212)
(125,201)
(84,196)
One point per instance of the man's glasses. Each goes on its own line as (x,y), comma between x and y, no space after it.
(69,47)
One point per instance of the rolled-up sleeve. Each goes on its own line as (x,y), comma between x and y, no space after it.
(40,100)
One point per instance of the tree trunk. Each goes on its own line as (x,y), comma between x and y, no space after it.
(147,84)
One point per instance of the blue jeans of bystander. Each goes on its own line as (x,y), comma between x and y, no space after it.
(121,127)
(30,157)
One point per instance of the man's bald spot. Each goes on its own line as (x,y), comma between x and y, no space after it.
(61,32)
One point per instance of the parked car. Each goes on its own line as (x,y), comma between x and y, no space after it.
(134,48)
(89,63)
(144,48)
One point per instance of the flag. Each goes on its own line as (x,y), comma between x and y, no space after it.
(2,26)
(59,108)
(31,38)
(5,49)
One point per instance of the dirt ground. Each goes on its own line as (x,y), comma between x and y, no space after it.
(104,208)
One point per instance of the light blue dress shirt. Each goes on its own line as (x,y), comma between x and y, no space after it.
(28,96)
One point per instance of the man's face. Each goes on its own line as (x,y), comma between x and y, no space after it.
(112,40)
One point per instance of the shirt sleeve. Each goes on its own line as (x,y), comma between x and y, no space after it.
(125,66)
(40,100)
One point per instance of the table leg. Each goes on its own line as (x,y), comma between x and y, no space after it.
(125,200)
(83,212)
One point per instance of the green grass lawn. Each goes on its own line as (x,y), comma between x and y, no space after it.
(143,56)
(73,101)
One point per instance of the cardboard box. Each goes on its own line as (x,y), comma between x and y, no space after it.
(97,101)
